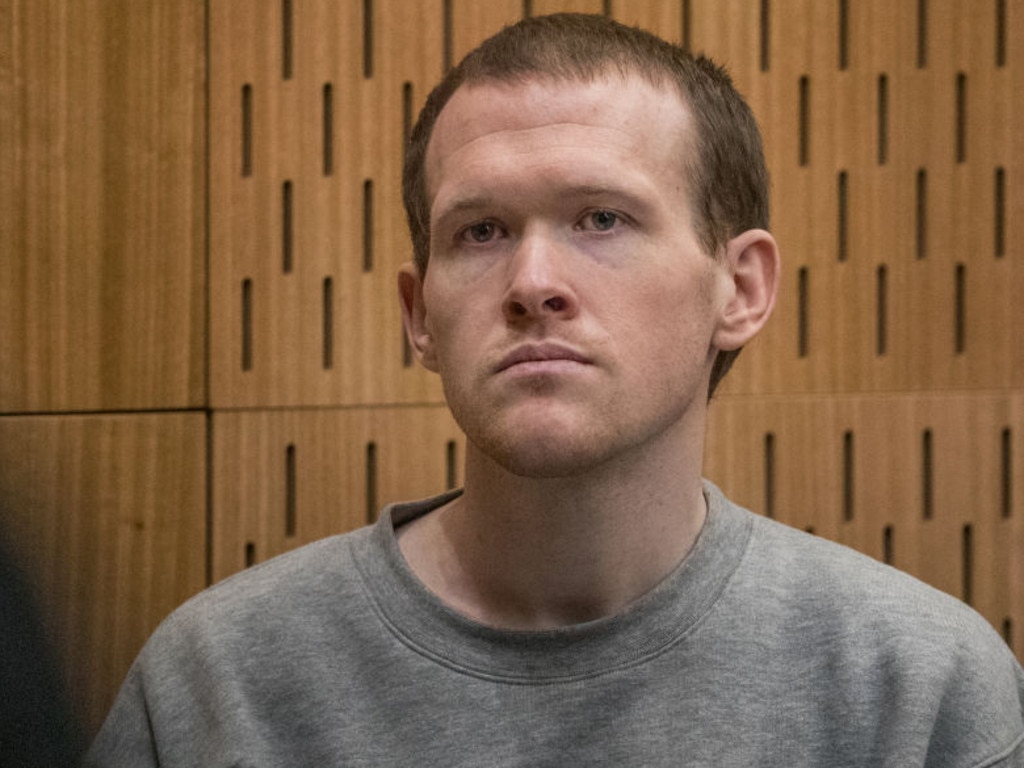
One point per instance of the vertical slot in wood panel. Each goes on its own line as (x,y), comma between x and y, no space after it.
(209,497)
(527,9)
(804,150)
(367,39)
(887,545)
(328,129)
(606,7)
(881,310)
(766,35)
(848,489)
(967,549)
(1008,631)
(447,46)
(927,479)
(247,324)
(803,321)
(246,130)
(961,117)
(451,465)
(843,33)
(1006,473)
(921,214)
(287,39)
(328,324)
(883,119)
(686,22)
(371,482)
(250,554)
(960,310)
(999,204)
(286,227)
(289,491)
(368,225)
(1000,42)
(769,475)
(407,117)
(922,34)
(842,214)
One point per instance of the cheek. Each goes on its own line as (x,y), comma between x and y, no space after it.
(678,315)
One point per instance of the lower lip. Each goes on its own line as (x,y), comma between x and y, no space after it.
(544,367)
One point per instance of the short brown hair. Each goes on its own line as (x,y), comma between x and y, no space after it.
(728,178)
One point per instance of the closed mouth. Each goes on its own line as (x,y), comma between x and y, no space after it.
(535,353)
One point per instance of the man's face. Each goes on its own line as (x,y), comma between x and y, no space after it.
(568,306)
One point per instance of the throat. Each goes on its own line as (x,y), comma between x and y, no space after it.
(547,566)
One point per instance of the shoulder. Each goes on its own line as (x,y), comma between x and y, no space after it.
(829,580)
(261,607)
(872,630)
(834,577)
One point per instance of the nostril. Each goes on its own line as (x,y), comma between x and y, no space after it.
(523,308)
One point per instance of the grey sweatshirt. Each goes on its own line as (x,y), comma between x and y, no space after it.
(765,647)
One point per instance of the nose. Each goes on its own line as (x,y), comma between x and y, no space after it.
(539,284)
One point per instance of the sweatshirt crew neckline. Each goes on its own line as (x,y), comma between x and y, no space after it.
(652,624)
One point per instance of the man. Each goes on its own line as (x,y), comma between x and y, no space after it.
(588,211)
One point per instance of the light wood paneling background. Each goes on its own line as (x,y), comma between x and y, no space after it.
(102,205)
(108,513)
(201,360)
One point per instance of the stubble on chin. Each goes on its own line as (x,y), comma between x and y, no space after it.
(535,446)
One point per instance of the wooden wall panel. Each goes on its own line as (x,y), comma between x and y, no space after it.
(306,170)
(101,205)
(541,7)
(888,138)
(283,478)
(107,515)
(666,19)
(471,22)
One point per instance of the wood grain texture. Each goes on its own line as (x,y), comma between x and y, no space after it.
(107,515)
(920,129)
(330,221)
(102,205)
(283,478)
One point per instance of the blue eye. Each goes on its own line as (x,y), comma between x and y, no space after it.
(481,232)
(602,221)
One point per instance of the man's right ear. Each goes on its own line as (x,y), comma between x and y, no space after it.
(414,315)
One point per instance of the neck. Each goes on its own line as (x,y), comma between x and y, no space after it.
(536,553)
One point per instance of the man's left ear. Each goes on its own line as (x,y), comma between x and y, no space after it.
(751,262)
(414,315)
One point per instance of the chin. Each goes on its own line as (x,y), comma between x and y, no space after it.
(544,457)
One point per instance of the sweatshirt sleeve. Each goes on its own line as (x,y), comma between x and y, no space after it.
(126,738)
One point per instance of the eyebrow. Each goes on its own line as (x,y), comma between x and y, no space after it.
(479,202)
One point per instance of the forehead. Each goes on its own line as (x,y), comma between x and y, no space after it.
(627,122)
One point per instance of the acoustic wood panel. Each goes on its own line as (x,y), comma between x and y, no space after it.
(310,103)
(107,515)
(893,135)
(283,478)
(102,205)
